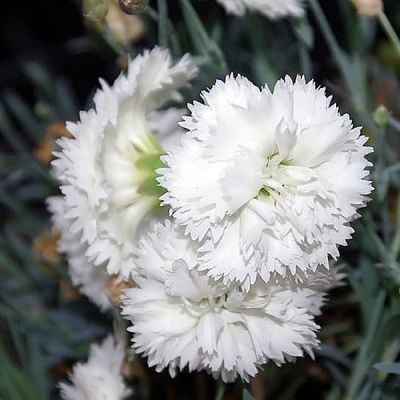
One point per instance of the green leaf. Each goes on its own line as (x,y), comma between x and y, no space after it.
(10,134)
(172,35)
(15,140)
(220,391)
(366,354)
(304,32)
(23,115)
(40,78)
(388,367)
(204,45)
(335,354)
(261,65)
(247,395)
(66,101)
(38,367)
(14,384)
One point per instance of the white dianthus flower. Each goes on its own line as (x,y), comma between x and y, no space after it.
(90,279)
(270,8)
(268,182)
(107,169)
(182,318)
(100,377)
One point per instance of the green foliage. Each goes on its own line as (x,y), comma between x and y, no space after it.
(39,329)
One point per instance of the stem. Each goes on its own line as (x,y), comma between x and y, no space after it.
(162,23)
(328,34)
(305,62)
(220,391)
(173,37)
(352,75)
(389,30)
(364,357)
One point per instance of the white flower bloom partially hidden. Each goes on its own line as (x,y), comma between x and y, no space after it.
(90,279)
(107,171)
(270,8)
(100,377)
(267,182)
(181,318)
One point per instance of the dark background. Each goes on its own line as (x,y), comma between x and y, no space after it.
(52,33)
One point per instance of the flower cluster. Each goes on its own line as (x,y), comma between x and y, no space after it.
(226,232)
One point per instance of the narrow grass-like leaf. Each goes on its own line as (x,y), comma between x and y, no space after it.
(220,391)
(41,79)
(23,115)
(246,395)
(335,354)
(365,356)
(172,34)
(390,368)
(13,383)
(200,38)
(38,368)
(66,101)
(263,69)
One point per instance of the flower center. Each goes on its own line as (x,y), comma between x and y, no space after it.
(278,165)
(199,307)
(147,162)
(273,176)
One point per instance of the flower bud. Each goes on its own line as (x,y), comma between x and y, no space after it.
(132,7)
(368,8)
(126,28)
(95,9)
(381,116)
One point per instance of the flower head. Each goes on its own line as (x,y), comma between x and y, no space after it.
(100,377)
(267,182)
(182,318)
(270,8)
(91,280)
(107,170)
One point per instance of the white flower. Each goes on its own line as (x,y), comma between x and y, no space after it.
(90,279)
(100,377)
(266,181)
(107,169)
(270,8)
(181,318)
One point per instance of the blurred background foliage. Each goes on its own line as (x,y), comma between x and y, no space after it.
(52,55)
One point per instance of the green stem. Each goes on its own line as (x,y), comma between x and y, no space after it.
(351,73)
(162,23)
(389,30)
(220,391)
(173,37)
(305,61)
(364,357)
(328,34)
